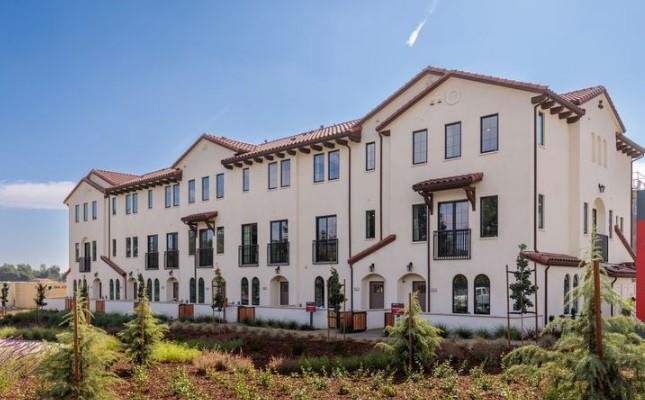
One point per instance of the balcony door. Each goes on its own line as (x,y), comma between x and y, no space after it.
(284,293)
(205,247)
(248,250)
(152,257)
(325,246)
(453,237)
(172,259)
(279,246)
(377,295)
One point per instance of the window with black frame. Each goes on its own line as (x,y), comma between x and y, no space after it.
(319,167)
(489,134)
(460,295)
(326,244)
(255,292)
(279,243)
(370,156)
(419,147)
(488,218)
(220,239)
(319,291)
(248,252)
(273,175)
(205,252)
(244,292)
(191,191)
(370,224)
(152,256)
(482,294)
(285,173)
(419,223)
(453,140)
(452,240)
(172,250)
(334,165)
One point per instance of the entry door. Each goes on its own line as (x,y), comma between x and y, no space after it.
(284,293)
(377,295)
(175,291)
(420,288)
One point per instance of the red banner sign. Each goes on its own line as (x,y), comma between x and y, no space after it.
(310,306)
(397,308)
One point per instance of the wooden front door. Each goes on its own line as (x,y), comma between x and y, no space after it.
(377,295)
(284,293)
(420,288)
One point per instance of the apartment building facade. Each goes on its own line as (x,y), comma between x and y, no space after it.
(431,191)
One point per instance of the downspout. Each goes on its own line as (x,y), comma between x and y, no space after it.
(428,256)
(535,196)
(546,295)
(612,304)
(349,224)
(380,186)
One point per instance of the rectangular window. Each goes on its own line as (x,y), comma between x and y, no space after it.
(370,224)
(128,247)
(453,140)
(76,213)
(540,211)
(191,191)
(539,126)
(219,186)
(77,251)
(175,195)
(334,165)
(621,224)
(135,203)
(594,219)
(168,195)
(113,205)
(206,239)
(273,175)
(420,147)
(585,218)
(171,241)
(84,211)
(285,173)
(319,167)
(128,204)
(93,250)
(94,210)
(419,223)
(611,228)
(453,216)
(150,199)
(249,234)
(205,188)
(153,244)
(279,231)
(192,242)
(370,156)
(245,179)
(220,239)
(113,247)
(489,133)
(488,217)
(326,228)
(135,246)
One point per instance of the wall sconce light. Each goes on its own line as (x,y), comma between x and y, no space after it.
(410,266)
(170,272)
(372,267)
(277,270)
(601,188)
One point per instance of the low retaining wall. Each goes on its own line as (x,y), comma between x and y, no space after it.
(55,304)
(489,322)
(289,314)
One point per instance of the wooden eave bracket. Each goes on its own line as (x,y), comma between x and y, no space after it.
(470,194)
(428,199)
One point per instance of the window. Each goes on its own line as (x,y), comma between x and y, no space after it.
(76,213)
(244,293)
(611,228)
(594,219)
(285,173)
(326,227)
(420,147)
(460,295)
(84,211)
(192,290)
(150,199)
(113,247)
(111,289)
(273,175)
(567,288)
(319,167)
(334,165)
(279,243)
(574,303)
(172,241)
(128,204)
(205,188)
(156,298)
(77,251)
(319,292)
(117,290)
(248,254)
(488,216)
(370,224)
(149,289)
(370,156)
(200,291)
(94,250)
(220,239)
(453,140)
(175,195)
(540,211)
(191,191)
(192,242)
(245,179)
(489,133)
(279,231)
(113,206)
(135,247)
(621,224)
(94,211)
(135,203)
(128,247)
(482,294)
(326,245)
(585,218)
(168,193)
(419,223)
(255,292)
(219,186)
(539,126)
(153,243)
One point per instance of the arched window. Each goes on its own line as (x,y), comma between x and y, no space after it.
(156,289)
(460,294)
(482,294)
(245,292)
(319,292)
(255,291)
(75,287)
(567,286)
(111,289)
(192,290)
(574,303)
(200,291)
(117,290)
(149,289)
(218,289)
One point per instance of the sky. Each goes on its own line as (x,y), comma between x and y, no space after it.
(129,85)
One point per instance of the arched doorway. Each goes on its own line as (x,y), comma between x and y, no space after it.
(132,289)
(97,289)
(172,290)
(279,291)
(409,283)
(373,292)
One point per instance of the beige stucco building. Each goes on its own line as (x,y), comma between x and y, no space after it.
(432,190)
(22,294)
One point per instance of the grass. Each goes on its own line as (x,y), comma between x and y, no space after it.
(372,361)
(171,352)
(501,332)
(210,344)
(274,323)
(31,333)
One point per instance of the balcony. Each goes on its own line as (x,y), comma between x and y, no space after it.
(602,243)
(325,251)
(205,257)
(278,253)
(152,260)
(171,259)
(452,244)
(84,264)
(248,255)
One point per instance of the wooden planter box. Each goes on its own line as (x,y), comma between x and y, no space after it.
(186,311)
(389,319)
(100,307)
(245,313)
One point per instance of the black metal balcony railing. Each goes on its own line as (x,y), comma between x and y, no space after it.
(325,251)
(278,253)
(171,259)
(84,264)
(602,242)
(205,257)
(152,260)
(452,244)
(248,255)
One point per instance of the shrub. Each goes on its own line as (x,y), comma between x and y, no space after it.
(463,332)
(297,348)
(275,323)
(452,350)
(373,361)
(219,361)
(488,353)
(443,330)
(30,333)
(501,332)
(167,352)
(446,379)
(483,333)
(183,387)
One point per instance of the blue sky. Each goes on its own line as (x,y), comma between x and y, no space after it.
(129,85)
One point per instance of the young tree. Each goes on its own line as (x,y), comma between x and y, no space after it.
(79,368)
(218,291)
(522,288)
(336,297)
(141,287)
(573,369)
(4,297)
(143,332)
(41,295)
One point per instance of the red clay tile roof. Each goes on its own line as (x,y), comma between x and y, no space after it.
(623,270)
(371,249)
(232,144)
(555,259)
(113,265)
(199,217)
(164,175)
(629,147)
(446,183)
(112,177)
(581,96)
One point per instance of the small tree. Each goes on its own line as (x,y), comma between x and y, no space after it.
(218,292)
(143,332)
(4,297)
(141,287)
(412,332)
(336,296)
(41,295)
(522,288)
